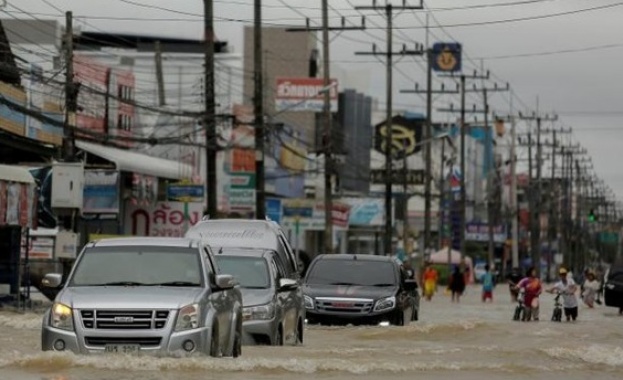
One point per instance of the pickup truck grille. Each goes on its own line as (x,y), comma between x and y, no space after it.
(102,341)
(344,305)
(124,319)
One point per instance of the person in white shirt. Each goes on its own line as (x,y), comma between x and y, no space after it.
(567,288)
(590,289)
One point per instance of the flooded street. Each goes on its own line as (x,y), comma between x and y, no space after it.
(466,341)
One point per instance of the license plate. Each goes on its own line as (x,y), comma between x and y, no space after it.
(122,348)
(342,305)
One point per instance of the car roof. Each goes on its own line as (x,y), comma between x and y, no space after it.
(236,233)
(145,241)
(365,257)
(244,251)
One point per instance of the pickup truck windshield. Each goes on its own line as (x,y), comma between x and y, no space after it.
(139,266)
(351,272)
(250,272)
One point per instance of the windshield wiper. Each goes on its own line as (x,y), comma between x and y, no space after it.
(384,284)
(122,283)
(254,287)
(176,283)
(342,283)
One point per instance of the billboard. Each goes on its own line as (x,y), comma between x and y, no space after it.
(11,120)
(101,108)
(285,163)
(304,94)
(366,211)
(446,57)
(406,136)
(101,192)
(44,98)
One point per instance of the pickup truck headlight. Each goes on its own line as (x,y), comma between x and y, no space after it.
(188,318)
(61,317)
(262,312)
(385,304)
(309,302)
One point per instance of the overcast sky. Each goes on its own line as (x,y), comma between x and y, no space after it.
(571,60)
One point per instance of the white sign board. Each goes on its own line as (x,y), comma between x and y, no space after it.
(304,94)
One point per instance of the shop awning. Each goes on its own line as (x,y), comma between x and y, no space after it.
(11,173)
(134,162)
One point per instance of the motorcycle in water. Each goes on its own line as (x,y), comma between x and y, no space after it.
(557,313)
(520,309)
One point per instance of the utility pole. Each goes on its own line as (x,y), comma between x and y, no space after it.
(536,197)
(209,102)
(258,102)
(463,132)
(327,117)
(553,206)
(389,54)
(328,163)
(490,193)
(160,75)
(514,212)
(429,91)
(71,92)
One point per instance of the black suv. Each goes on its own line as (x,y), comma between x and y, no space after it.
(359,289)
(613,286)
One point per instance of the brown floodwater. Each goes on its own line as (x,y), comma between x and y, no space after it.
(469,340)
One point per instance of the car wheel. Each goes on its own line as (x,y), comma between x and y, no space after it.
(278,340)
(299,333)
(237,350)
(399,319)
(215,346)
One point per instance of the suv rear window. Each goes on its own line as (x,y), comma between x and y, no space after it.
(352,272)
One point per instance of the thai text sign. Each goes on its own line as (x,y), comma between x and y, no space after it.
(480,232)
(167,219)
(304,94)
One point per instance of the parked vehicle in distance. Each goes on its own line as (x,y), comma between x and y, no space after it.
(359,289)
(247,233)
(613,285)
(273,310)
(159,295)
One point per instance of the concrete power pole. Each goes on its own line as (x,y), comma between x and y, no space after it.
(210,117)
(389,54)
(327,117)
(328,159)
(258,101)
(536,198)
(463,132)
(160,75)
(429,91)
(71,92)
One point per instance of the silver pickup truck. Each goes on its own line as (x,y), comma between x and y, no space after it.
(131,295)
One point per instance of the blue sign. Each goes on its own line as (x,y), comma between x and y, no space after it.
(273,209)
(101,192)
(446,57)
(185,193)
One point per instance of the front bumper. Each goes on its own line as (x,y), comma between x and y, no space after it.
(148,341)
(377,317)
(259,331)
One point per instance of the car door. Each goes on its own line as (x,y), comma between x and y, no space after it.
(288,300)
(404,297)
(222,300)
(293,266)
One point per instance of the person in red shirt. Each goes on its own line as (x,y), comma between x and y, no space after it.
(532,287)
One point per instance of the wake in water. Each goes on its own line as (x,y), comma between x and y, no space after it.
(21,321)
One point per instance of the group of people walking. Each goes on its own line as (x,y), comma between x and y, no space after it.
(531,287)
